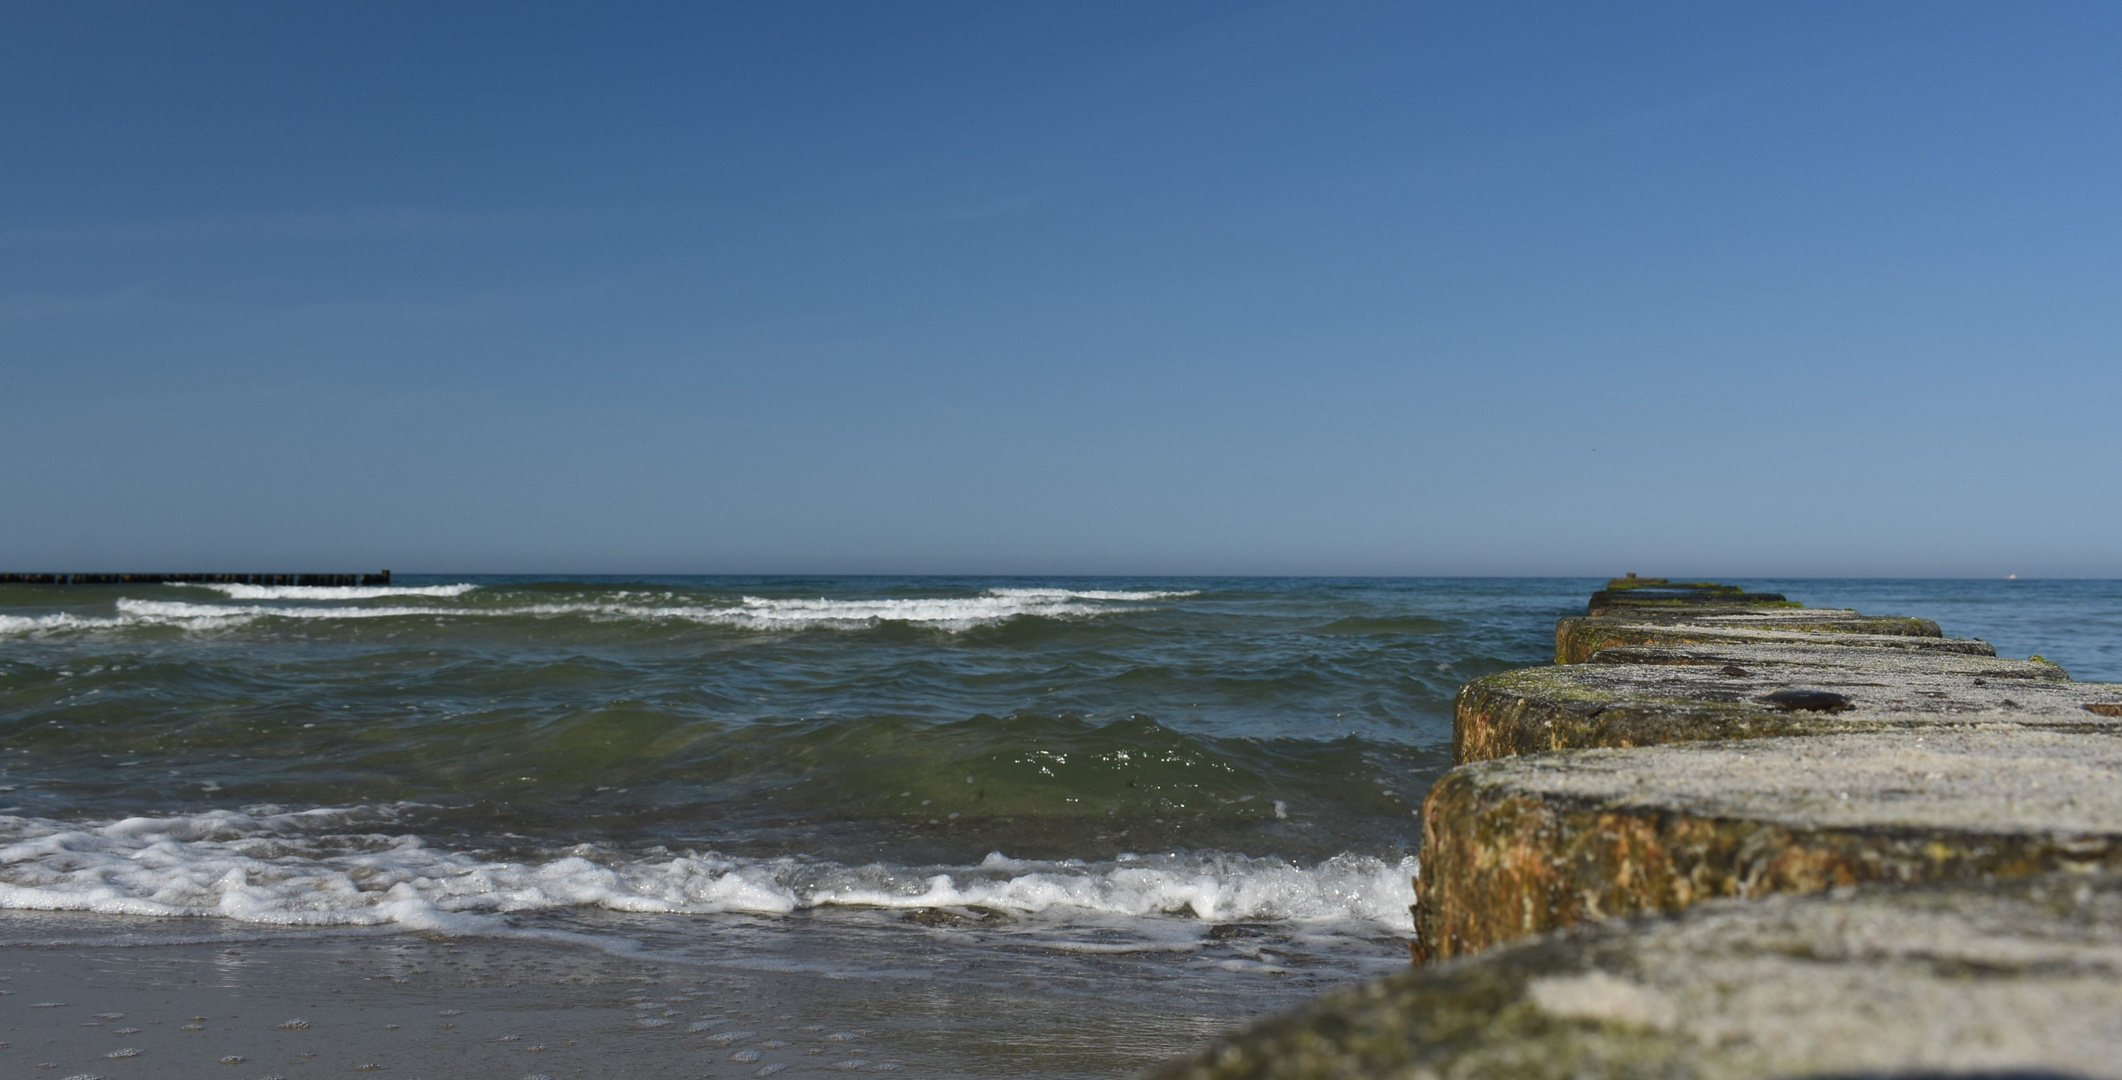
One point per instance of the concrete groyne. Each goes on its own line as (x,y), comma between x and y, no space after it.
(1726,835)
(307,580)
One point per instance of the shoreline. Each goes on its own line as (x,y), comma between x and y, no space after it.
(923,995)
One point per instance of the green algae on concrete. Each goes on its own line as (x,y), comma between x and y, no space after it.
(1517,846)
(1624,595)
(2020,977)
(1576,706)
(1576,639)
(1634,582)
(1660,586)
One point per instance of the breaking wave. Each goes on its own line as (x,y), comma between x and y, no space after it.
(331,592)
(947,613)
(327,867)
(748,612)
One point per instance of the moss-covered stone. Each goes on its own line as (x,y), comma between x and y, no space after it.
(1623,595)
(1576,639)
(1577,706)
(2021,977)
(1634,582)
(1517,846)
(1658,585)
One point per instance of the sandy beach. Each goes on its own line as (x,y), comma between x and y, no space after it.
(250,1006)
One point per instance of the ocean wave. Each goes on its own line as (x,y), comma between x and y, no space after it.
(946,613)
(58,621)
(1097,594)
(330,592)
(186,613)
(331,867)
(183,615)
(749,612)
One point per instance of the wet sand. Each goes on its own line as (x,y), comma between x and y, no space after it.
(290,1005)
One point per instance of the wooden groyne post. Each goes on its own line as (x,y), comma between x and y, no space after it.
(1727,835)
(383,578)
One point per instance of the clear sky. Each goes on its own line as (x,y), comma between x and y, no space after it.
(1813,289)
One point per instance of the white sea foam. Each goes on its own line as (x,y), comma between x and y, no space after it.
(1097,594)
(30,624)
(947,613)
(186,613)
(189,616)
(320,868)
(957,613)
(1216,887)
(331,592)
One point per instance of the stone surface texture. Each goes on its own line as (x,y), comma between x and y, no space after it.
(1534,710)
(1576,640)
(1810,654)
(2021,978)
(1517,846)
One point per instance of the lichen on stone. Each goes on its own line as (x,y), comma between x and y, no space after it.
(1520,845)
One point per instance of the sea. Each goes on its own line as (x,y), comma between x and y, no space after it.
(1035,826)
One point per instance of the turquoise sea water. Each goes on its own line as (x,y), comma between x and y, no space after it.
(1119,785)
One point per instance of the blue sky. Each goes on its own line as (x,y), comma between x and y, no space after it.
(1828,289)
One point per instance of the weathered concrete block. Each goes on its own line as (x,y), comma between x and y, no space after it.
(1658,597)
(1621,603)
(1808,655)
(1520,845)
(1577,639)
(1575,706)
(1634,582)
(2020,978)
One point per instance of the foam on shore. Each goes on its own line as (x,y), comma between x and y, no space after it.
(336,867)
